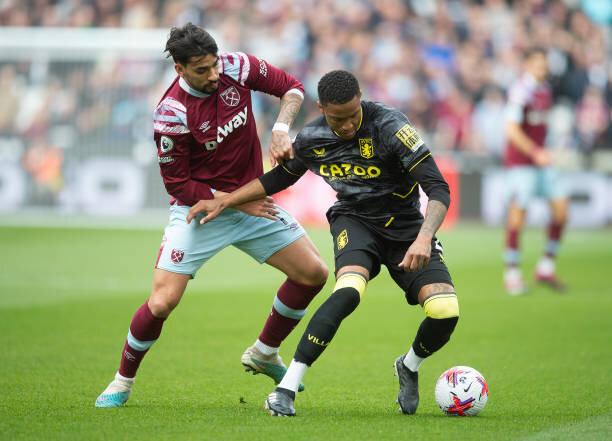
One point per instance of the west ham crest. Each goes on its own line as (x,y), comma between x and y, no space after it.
(230,96)
(176,255)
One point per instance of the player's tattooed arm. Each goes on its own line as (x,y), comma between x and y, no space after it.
(436,211)
(419,252)
(290,107)
(427,174)
(280,146)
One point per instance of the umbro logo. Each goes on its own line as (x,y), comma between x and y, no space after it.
(205,126)
(129,356)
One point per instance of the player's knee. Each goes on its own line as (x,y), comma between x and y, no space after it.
(161,307)
(442,306)
(163,300)
(321,272)
(442,311)
(338,306)
(560,218)
(313,274)
(353,280)
(347,294)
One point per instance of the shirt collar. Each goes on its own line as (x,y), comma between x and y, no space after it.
(190,90)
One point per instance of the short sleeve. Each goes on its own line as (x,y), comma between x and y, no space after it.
(258,74)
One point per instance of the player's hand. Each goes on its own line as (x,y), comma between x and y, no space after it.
(262,208)
(542,158)
(280,148)
(417,256)
(212,208)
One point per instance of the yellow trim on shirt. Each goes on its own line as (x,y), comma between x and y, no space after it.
(419,161)
(404,196)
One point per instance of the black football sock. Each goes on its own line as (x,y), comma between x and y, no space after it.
(324,324)
(432,335)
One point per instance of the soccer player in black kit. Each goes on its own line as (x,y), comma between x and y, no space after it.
(375,160)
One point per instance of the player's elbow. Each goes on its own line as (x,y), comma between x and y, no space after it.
(441,193)
(296,91)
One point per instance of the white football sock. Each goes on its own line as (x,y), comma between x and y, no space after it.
(120,377)
(264,348)
(119,384)
(412,361)
(546,266)
(293,376)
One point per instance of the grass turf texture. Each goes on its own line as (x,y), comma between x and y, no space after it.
(67,296)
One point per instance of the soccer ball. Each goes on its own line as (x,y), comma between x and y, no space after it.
(461,391)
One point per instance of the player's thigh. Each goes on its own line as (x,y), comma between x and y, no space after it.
(355,245)
(412,283)
(553,187)
(521,185)
(270,241)
(186,247)
(301,262)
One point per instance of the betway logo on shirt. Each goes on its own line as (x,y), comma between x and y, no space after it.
(238,120)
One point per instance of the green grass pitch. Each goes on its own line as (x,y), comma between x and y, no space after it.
(67,296)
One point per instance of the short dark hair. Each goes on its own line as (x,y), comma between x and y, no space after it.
(534,50)
(337,87)
(189,41)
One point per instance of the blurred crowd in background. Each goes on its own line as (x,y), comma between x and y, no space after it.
(446,64)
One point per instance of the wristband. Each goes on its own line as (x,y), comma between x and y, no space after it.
(280,127)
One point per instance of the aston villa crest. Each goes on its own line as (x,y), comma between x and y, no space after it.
(366,148)
(342,239)
(230,96)
(319,152)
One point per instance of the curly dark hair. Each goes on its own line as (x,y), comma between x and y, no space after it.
(337,87)
(189,41)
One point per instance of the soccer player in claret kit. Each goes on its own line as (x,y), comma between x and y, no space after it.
(207,144)
(375,160)
(530,173)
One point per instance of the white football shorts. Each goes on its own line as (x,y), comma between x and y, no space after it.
(186,247)
(524,183)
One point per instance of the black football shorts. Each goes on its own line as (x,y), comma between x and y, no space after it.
(357,244)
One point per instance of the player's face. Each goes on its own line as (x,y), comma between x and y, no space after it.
(537,65)
(343,119)
(201,73)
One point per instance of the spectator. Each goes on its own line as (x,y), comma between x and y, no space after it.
(444,63)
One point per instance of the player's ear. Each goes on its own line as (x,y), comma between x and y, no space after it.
(320,106)
(179,68)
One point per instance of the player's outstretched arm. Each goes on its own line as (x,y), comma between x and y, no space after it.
(252,191)
(427,174)
(270,183)
(258,208)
